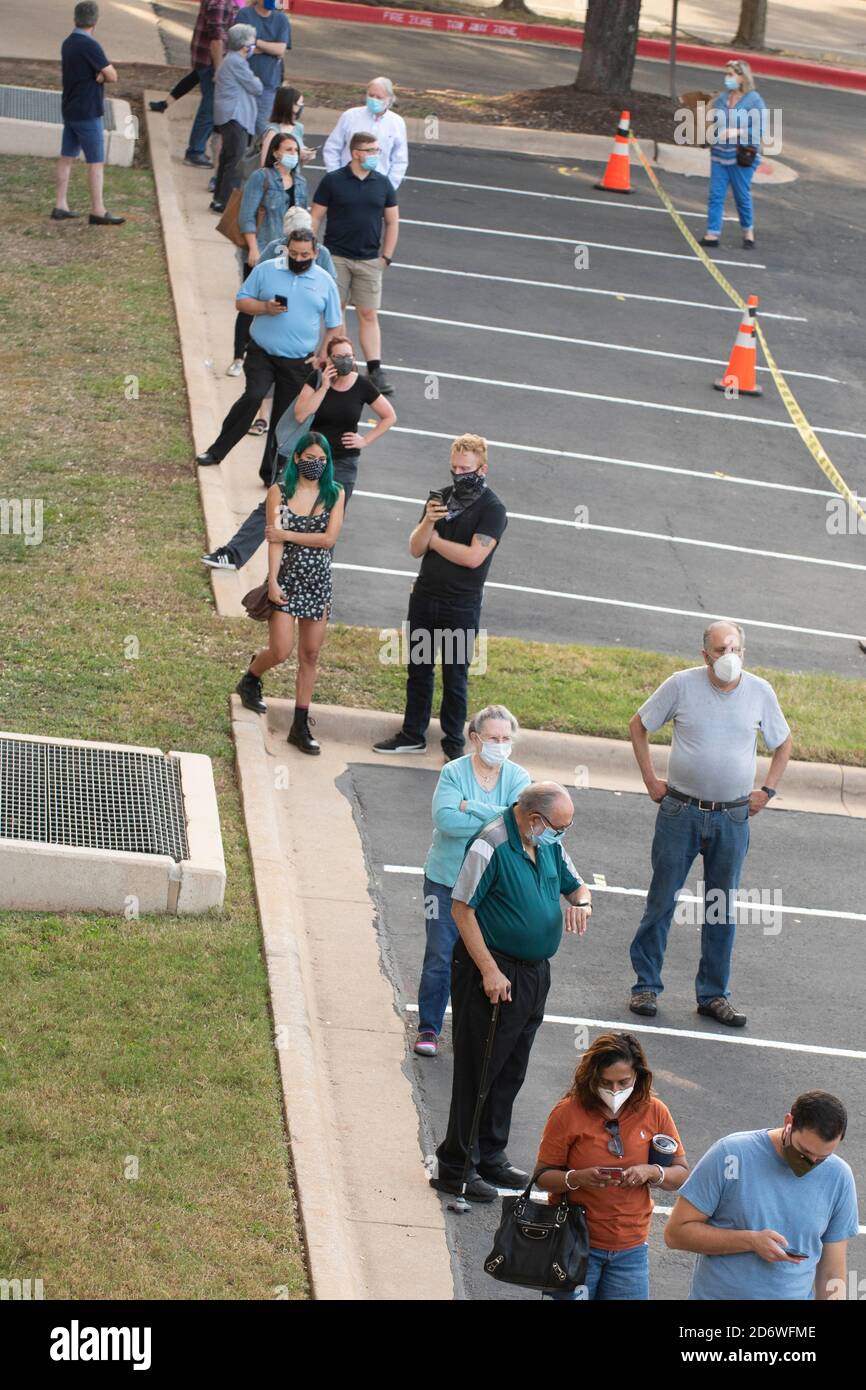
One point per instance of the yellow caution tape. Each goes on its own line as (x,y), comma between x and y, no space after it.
(804,429)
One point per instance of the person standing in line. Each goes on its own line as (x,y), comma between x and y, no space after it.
(736,152)
(458,532)
(600,1136)
(303,535)
(705,807)
(285,119)
(377,117)
(361,235)
(186,84)
(769,1212)
(506,905)
(273,37)
(214,19)
(86,70)
(234,110)
(470,792)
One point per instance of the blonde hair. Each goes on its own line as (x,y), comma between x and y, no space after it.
(470,443)
(742,69)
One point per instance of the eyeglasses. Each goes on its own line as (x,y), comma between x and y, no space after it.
(560,829)
(614,1143)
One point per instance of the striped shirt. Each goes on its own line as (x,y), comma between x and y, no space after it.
(744,123)
(515,900)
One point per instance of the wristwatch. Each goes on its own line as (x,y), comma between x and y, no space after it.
(387,260)
(771,791)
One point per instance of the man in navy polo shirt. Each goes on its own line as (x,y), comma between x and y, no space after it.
(506,906)
(273,37)
(361,205)
(288,298)
(86,69)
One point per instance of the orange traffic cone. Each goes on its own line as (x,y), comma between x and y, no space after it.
(616,176)
(739,379)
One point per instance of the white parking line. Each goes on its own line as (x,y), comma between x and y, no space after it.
(416,872)
(576,241)
(617,603)
(618,400)
(639,535)
(585,289)
(814,1049)
(682,473)
(588,342)
(560,197)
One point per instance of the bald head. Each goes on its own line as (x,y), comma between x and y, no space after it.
(547,799)
(723,636)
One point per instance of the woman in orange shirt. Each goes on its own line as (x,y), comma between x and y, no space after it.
(601,1133)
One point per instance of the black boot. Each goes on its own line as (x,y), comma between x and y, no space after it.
(249,687)
(299,733)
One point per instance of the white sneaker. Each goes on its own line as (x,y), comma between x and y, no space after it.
(235,368)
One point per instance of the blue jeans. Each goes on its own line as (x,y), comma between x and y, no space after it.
(435,986)
(739,180)
(202,126)
(264,107)
(682,833)
(612,1274)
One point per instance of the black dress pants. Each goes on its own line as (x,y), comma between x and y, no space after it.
(234,146)
(518,1023)
(262,371)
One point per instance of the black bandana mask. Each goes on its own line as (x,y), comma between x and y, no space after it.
(466,488)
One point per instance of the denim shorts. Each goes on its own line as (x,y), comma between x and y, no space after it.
(88,136)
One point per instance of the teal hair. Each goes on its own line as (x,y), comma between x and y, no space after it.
(329,488)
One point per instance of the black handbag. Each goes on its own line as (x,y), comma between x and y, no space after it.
(746,155)
(538,1245)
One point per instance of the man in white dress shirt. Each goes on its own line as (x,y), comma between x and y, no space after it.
(378,117)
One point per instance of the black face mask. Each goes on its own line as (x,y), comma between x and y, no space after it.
(298,267)
(343,365)
(311,468)
(467,485)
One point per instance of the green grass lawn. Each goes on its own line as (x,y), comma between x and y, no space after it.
(151,1039)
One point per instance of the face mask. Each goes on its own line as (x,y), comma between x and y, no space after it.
(370,162)
(798,1163)
(298,267)
(495,753)
(312,468)
(614,1100)
(728,667)
(732,83)
(288,161)
(547,836)
(299,111)
(467,484)
(343,365)
(375,106)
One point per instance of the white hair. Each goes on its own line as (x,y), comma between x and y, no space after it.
(239,36)
(478,720)
(295,220)
(389,88)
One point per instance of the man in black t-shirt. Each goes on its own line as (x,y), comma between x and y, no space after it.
(455,540)
(86,69)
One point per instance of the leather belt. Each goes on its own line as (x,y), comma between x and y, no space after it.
(706,805)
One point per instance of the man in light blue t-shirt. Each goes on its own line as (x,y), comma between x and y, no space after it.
(769,1212)
(717,711)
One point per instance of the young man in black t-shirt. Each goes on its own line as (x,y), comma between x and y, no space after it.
(455,540)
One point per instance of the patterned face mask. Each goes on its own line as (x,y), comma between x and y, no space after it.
(312,468)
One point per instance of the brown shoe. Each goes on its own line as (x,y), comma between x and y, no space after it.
(723,1011)
(644,1002)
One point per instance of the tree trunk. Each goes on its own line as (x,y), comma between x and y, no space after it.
(513,7)
(752,29)
(609,43)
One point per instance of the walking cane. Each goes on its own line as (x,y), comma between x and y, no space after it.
(460,1204)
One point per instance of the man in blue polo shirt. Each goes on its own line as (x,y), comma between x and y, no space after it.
(289,298)
(361,235)
(273,37)
(86,69)
(505,904)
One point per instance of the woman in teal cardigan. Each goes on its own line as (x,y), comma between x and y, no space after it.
(470,792)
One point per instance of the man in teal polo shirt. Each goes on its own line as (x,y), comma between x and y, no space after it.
(506,906)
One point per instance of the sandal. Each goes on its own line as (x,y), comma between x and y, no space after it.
(258,427)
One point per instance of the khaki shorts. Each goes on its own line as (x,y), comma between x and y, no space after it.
(360,282)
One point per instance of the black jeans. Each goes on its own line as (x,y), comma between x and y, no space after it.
(234,145)
(518,1023)
(451,623)
(243,324)
(262,371)
(185,85)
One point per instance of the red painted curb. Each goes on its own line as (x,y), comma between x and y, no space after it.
(697,55)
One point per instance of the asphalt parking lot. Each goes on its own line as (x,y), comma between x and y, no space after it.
(795,974)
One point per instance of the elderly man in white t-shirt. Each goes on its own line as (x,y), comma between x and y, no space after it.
(704,808)
(377,118)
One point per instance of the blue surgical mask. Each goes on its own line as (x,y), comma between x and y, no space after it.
(370,162)
(548,836)
(732,83)
(494,754)
(289,161)
(375,105)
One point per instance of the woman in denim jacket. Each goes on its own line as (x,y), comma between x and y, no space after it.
(737,120)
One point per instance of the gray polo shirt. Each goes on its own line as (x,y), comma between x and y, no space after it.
(715,733)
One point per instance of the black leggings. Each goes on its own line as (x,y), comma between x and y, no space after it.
(234,146)
(185,85)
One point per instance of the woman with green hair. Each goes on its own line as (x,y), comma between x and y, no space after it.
(304,515)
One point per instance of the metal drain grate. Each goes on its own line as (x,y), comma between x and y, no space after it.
(91,798)
(38,104)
